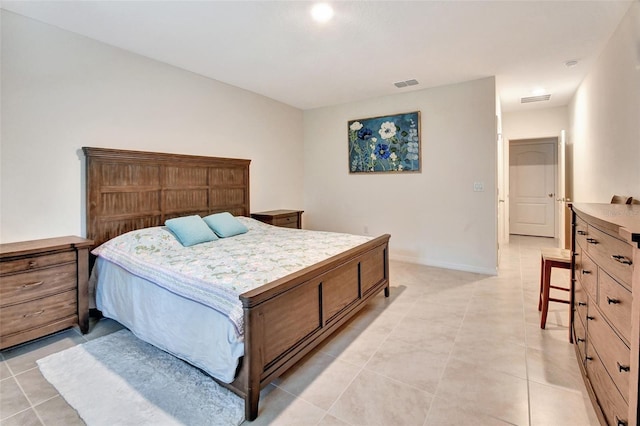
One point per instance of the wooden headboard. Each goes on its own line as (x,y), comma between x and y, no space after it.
(128,190)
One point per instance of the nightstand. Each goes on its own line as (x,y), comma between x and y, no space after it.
(283,218)
(43,288)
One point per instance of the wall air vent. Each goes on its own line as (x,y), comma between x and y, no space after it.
(535,99)
(412,82)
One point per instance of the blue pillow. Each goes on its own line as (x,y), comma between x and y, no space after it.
(225,225)
(190,230)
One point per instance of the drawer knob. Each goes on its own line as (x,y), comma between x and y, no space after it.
(586,272)
(579,340)
(582,303)
(592,241)
(611,301)
(33,314)
(620,422)
(622,368)
(33,263)
(620,258)
(590,318)
(589,358)
(581,232)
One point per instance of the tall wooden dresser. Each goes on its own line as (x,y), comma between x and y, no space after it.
(606,321)
(43,288)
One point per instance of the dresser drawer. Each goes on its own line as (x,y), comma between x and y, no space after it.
(581,232)
(580,336)
(613,353)
(37,313)
(615,302)
(613,406)
(286,221)
(16,288)
(587,273)
(35,262)
(581,300)
(612,255)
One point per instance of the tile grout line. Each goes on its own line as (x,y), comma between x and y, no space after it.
(450,354)
(361,369)
(526,346)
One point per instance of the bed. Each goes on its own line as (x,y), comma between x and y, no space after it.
(282,320)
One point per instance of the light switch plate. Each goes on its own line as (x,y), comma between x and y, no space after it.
(478,186)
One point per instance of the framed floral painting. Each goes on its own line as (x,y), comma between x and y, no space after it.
(389,143)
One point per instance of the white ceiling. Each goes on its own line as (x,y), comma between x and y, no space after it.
(275,49)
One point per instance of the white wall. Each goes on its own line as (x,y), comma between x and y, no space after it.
(605,119)
(434,217)
(61,91)
(535,123)
(538,124)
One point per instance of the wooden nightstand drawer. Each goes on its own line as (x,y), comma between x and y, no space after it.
(283,218)
(36,262)
(43,288)
(287,221)
(36,313)
(17,288)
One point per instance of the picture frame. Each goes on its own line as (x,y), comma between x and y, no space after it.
(385,144)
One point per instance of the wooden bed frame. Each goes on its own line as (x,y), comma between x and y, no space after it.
(283,320)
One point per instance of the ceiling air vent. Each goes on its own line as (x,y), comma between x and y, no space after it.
(535,99)
(406,83)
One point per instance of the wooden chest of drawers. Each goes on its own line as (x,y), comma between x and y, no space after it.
(606,324)
(43,288)
(284,218)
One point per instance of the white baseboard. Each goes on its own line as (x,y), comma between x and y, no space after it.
(446,265)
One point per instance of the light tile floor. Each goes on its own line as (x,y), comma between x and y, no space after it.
(447,348)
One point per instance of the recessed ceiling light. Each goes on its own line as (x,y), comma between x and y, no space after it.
(538,91)
(322,12)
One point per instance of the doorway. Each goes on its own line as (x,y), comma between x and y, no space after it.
(532,186)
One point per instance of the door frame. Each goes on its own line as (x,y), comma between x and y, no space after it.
(533,141)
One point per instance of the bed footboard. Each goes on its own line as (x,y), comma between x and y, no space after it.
(286,319)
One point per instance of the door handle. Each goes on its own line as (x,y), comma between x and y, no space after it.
(551,195)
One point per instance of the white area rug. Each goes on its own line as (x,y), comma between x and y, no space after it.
(120,380)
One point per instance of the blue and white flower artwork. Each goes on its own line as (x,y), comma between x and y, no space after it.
(388,143)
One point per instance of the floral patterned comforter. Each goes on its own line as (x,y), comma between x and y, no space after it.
(217,272)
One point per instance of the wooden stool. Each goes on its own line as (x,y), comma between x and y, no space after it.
(552,258)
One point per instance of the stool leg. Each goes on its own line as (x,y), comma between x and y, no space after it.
(541,281)
(546,284)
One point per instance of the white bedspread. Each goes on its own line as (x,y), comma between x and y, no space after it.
(217,272)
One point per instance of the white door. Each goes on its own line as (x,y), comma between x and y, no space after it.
(532,208)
